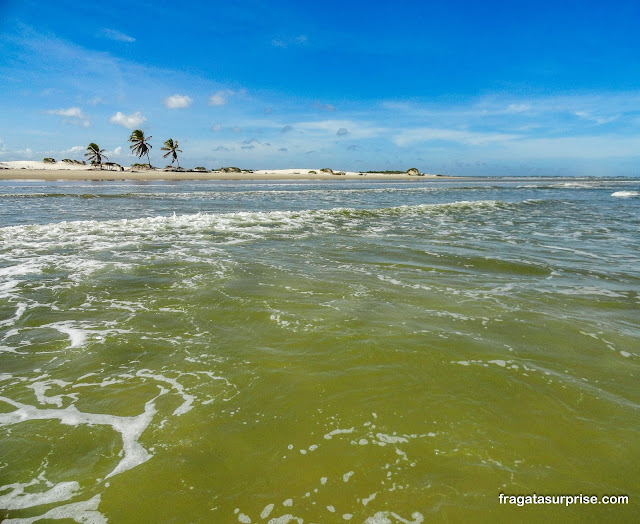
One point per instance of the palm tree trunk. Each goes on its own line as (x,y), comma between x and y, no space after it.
(149,160)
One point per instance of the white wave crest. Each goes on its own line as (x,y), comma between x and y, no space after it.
(625,194)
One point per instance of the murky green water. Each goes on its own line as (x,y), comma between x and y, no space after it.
(318,352)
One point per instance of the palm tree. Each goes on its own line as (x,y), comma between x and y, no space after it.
(95,154)
(140,144)
(171,148)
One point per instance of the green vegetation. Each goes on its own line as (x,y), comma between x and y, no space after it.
(140,145)
(231,169)
(394,172)
(313,172)
(49,160)
(200,168)
(95,154)
(140,165)
(326,170)
(171,148)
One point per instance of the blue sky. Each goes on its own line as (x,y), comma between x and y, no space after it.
(463,88)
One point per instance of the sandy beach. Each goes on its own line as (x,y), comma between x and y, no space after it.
(31,170)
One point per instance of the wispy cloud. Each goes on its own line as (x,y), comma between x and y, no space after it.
(324,107)
(73,112)
(129,121)
(118,36)
(286,41)
(426,134)
(598,120)
(72,115)
(355,128)
(220,98)
(178,101)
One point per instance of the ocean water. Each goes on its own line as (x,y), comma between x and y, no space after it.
(371,352)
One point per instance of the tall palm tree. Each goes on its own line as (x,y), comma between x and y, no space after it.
(171,148)
(95,154)
(140,144)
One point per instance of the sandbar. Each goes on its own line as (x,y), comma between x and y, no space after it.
(48,172)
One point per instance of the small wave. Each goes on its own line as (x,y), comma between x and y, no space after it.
(295,190)
(257,220)
(70,195)
(625,194)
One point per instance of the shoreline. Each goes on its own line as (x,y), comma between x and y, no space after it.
(288,174)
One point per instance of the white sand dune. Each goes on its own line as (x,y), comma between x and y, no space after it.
(34,164)
(34,170)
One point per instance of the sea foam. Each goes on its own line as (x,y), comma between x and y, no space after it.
(625,194)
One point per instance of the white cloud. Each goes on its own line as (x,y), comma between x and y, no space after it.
(74,116)
(74,112)
(178,101)
(118,36)
(599,120)
(73,150)
(216,127)
(116,152)
(220,98)
(15,154)
(129,121)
